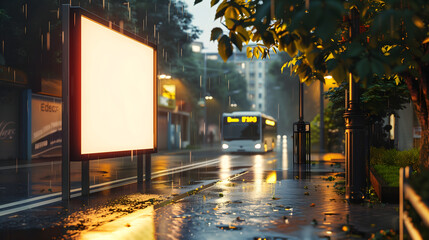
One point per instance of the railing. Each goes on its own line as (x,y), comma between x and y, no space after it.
(406,192)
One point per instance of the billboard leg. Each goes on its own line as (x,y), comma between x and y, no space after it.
(65,164)
(85,178)
(148,168)
(139,168)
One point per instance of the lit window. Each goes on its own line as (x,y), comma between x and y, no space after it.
(196,48)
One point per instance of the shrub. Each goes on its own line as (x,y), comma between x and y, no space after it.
(393,157)
(390,174)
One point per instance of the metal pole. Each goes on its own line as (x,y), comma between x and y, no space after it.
(85,178)
(301,128)
(65,164)
(322,120)
(148,168)
(355,134)
(301,101)
(139,168)
(401,204)
(204,98)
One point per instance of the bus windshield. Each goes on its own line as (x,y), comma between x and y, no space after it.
(241,131)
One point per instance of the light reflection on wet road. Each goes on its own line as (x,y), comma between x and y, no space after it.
(263,199)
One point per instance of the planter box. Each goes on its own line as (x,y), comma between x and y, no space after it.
(386,193)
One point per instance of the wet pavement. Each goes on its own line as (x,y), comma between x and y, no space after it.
(273,205)
(42,177)
(220,196)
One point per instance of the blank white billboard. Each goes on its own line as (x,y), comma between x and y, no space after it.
(117,91)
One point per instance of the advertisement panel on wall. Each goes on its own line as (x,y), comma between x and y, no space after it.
(112,89)
(46,131)
(9,123)
(168,96)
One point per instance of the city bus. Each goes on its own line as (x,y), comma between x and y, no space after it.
(248,132)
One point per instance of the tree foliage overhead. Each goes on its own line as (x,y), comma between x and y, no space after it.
(392,41)
(316,34)
(28,26)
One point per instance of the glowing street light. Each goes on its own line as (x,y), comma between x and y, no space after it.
(164,76)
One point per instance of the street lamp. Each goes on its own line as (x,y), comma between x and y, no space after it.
(129,9)
(355,130)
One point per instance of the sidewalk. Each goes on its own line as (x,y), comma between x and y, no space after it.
(252,204)
(274,205)
(260,204)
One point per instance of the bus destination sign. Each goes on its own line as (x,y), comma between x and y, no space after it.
(243,119)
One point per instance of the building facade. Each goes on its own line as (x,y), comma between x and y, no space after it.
(255,71)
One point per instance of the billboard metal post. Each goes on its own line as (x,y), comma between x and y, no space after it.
(85,178)
(65,164)
(148,168)
(139,168)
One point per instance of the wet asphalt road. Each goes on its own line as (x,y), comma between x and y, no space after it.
(250,206)
(253,196)
(43,177)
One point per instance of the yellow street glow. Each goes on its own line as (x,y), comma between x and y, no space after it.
(270,122)
(117,91)
(272,177)
(230,119)
(137,225)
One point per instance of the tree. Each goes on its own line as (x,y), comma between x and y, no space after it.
(380,99)
(393,41)
(30,25)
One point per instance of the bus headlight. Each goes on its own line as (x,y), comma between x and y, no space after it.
(258,146)
(225,146)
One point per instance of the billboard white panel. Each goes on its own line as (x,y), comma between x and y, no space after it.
(117,91)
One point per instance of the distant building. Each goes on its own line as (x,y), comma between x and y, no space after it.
(255,73)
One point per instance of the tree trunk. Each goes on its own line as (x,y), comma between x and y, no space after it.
(418,88)
(424,149)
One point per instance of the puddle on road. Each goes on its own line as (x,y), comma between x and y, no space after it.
(257,204)
(137,225)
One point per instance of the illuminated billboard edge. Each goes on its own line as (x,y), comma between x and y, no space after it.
(112,90)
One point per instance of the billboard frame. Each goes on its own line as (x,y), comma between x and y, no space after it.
(74,91)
